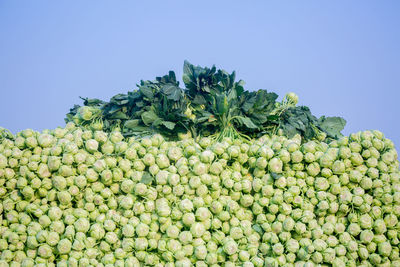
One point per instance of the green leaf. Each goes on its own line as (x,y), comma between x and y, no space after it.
(221,103)
(188,76)
(186,79)
(147,92)
(140,104)
(172,92)
(118,115)
(169,78)
(120,99)
(130,124)
(332,126)
(202,119)
(188,69)
(199,100)
(232,96)
(273,117)
(136,129)
(169,124)
(147,178)
(157,122)
(149,117)
(92,101)
(247,122)
(289,130)
(112,108)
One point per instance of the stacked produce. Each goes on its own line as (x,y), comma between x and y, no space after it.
(77,198)
(237,189)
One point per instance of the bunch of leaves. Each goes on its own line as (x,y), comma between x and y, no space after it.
(155,107)
(211,104)
(222,106)
(299,120)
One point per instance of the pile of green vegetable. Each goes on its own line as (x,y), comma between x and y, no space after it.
(206,175)
(77,197)
(211,104)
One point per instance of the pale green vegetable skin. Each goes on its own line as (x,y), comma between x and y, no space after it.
(70,197)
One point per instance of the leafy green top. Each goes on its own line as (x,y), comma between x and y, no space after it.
(211,104)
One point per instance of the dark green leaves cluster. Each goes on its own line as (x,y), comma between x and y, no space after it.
(211,102)
(156,106)
(299,120)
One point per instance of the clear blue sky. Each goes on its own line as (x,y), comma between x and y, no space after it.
(340,57)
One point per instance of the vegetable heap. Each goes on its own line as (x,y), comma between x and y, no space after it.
(211,104)
(80,197)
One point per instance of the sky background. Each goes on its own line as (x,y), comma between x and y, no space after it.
(341,57)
